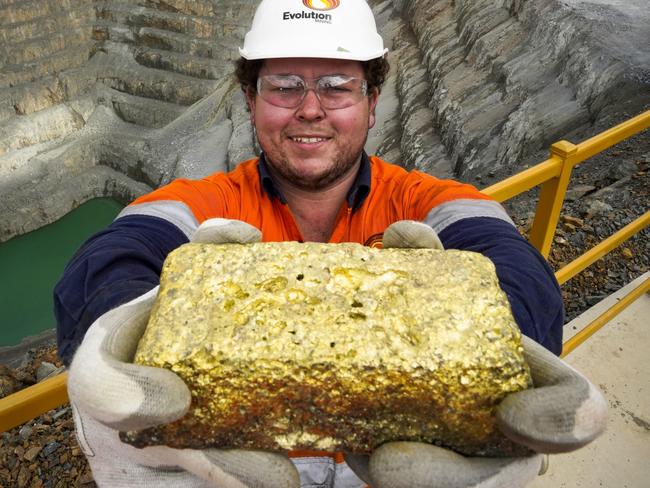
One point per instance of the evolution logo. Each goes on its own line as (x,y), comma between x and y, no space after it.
(316,16)
(321,4)
(375,240)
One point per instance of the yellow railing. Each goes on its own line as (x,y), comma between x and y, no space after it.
(33,401)
(608,315)
(553,175)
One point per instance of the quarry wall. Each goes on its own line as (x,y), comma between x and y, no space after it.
(115,97)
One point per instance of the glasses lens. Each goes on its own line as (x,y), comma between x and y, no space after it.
(340,91)
(334,92)
(281,91)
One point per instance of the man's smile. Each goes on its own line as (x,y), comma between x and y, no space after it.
(308,140)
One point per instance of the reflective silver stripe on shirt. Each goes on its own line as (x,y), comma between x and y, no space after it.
(442,216)
(324,472)
(174,212)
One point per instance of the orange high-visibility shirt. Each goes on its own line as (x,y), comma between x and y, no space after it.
(394,194)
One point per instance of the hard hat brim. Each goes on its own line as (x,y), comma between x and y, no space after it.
(311,53)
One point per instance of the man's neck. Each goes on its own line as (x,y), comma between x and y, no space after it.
(315,211)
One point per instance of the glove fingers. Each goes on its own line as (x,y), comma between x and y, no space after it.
(236,468)
(563,412)
(419,465)
(411,234)
(129,396)
(225,231)
(119,465)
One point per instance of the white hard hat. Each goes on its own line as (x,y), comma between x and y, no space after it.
(335,29)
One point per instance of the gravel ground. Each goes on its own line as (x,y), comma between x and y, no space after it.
(43,452)
(605,194)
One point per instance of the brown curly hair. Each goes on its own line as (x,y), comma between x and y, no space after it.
(246,71)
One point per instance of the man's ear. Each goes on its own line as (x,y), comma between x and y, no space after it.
(373,97)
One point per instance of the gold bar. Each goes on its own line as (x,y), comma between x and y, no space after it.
(333,347)
(595,253)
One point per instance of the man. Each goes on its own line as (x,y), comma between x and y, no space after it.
(311,72)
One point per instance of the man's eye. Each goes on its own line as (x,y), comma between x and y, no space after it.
(336,84)
(336,89)
(287,89)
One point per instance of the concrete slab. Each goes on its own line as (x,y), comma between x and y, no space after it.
(616,359)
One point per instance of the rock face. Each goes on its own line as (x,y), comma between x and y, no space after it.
(114,98)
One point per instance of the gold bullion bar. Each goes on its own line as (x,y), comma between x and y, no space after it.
(333,347)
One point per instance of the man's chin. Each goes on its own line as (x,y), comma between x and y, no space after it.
(312,182)
(312,173)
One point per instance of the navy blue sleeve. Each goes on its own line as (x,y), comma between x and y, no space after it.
(111,268)
(523,273)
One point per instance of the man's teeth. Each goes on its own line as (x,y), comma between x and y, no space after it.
(308,140)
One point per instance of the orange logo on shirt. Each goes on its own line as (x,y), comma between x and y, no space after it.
(375,240)
(321,4)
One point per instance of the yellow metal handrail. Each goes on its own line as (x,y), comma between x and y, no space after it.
(525,180)
(33,401)
(553,174)
(601,320)
(597,252)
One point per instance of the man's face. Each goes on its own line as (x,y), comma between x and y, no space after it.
(309,146)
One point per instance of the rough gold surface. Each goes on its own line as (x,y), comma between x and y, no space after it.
(333,347)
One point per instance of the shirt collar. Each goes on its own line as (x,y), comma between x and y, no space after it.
(356,194)
(267,182)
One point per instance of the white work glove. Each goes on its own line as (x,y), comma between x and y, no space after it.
(110,394)
(563,412)
(412,235)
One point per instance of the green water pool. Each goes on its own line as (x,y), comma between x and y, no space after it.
(31,265)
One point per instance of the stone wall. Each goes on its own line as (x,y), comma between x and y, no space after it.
(507,78)
(116,97)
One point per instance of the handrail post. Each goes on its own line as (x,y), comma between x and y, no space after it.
(551,198)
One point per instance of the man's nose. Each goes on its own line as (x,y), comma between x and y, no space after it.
(310,108)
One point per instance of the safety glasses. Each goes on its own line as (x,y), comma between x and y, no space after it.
(333,91)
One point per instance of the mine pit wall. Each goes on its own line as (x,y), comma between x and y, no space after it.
(39,40)
(116,97)
(508,78)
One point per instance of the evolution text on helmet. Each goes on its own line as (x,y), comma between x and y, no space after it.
(333,29)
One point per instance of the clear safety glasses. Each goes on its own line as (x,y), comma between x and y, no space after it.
(334,91)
